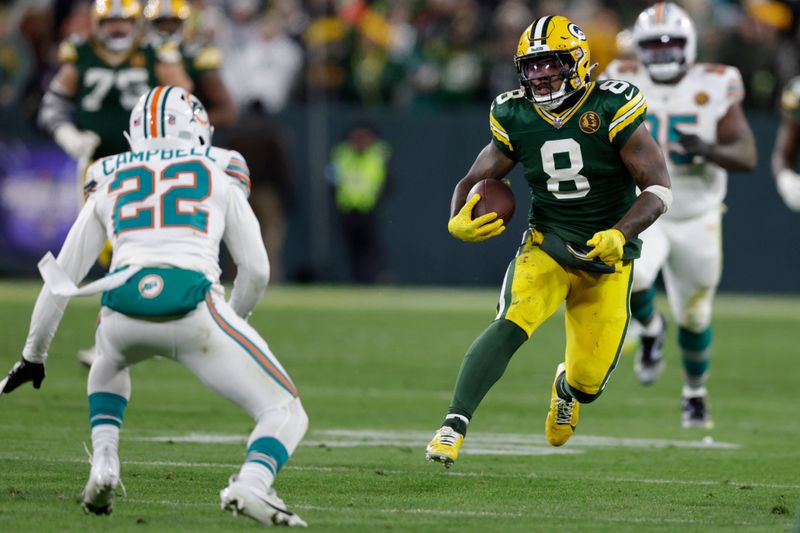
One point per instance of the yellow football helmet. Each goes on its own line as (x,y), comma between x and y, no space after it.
(167,18)
(120,37)
(551,48)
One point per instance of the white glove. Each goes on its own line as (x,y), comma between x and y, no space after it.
(789,187)
(77,143)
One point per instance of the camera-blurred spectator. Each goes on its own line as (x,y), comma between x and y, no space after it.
(15,61)
(358,172)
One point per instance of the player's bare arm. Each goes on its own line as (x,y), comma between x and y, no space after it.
(784,154)
(736,147)
(645,161)
(173,74)
(490,163)
(221,109)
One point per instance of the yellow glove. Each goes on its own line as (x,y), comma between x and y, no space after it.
(607,245)
(463,227)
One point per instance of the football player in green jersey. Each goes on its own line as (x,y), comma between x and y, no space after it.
(202,61)
(787,144)
(101,79)
(584,148)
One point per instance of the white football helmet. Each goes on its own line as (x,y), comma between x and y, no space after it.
(665,40)
(202,125)
(164,112)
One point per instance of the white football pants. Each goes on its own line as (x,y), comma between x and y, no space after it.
(220,348)
(689,252)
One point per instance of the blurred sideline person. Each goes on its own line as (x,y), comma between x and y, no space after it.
(787,142)
(202,61)
(584,148)
(87,105)
(358,171)
(695,114)
(166,205)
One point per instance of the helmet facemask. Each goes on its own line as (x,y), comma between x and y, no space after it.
(540,73)
(664,56)
(110,32)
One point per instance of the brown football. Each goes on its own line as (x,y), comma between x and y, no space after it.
(496,197)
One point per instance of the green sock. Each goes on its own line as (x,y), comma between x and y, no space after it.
(484,363)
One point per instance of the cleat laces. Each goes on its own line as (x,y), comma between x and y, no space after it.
(563,410)
(448,437)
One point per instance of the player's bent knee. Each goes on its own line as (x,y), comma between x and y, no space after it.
(697,315)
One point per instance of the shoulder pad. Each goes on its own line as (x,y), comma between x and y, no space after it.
(208,58)
(234,165)
(168,53)
(68,50)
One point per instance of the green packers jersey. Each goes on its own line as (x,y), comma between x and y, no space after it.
(578,182)
(199,58)
(790,99)
(106,93)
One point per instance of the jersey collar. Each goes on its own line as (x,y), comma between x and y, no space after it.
(557,120)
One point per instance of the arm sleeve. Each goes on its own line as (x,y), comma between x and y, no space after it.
(80,250)
(56,108)
(243,238)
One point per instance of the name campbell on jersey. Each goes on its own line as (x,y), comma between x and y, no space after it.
(694,105)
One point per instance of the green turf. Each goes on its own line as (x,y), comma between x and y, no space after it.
(385,360)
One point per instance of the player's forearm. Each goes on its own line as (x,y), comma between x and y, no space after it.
(56,110)
(243,239)
(739,156)
(644,211)
(491,163)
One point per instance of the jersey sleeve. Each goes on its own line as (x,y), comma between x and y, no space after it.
(500,136)
(790,98)
(91,181)
(68,50)
(207,58)
(734,86)
(235,167)
(628,109)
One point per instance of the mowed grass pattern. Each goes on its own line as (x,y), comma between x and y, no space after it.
(382,362)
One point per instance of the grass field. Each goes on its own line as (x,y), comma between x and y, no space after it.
(375,368)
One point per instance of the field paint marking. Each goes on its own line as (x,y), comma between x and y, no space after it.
(450,512)
(430,472)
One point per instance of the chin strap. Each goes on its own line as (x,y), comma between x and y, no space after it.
(590,69)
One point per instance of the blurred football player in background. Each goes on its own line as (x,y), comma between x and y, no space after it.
(695,114)
(584,148)
(787,142)
(87,105)
(165,296)
(202,61)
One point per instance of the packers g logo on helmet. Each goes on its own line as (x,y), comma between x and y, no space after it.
(564,44)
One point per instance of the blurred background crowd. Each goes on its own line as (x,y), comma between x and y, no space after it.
(311,80)
(405,54)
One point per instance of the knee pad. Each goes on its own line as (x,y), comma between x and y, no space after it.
(697,313)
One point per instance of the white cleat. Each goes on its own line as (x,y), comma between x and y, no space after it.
(98,495)
(266,508)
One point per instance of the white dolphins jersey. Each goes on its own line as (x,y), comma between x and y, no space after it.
(694,105)
(166,203)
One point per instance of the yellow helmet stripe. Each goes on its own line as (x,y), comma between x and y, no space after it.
(625,120)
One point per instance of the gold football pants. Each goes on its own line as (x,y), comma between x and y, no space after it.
(597,310)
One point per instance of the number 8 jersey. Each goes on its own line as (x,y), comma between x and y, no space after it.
(578,182)
(169,204)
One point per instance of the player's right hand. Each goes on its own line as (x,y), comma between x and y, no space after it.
(789,188)
(463,227)
(77,143)
(22,372)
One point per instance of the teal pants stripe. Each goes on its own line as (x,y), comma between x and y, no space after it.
(106,408)
(269,452)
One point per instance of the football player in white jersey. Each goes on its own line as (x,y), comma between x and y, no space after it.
(787,145)
(165,206)
(695,113)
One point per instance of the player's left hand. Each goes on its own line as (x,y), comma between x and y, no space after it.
(694,145)
(607,245)
(22,372)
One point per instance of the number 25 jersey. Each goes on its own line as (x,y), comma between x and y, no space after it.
(578,182)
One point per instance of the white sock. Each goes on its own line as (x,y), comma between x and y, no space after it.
(256,476)
(104,436)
